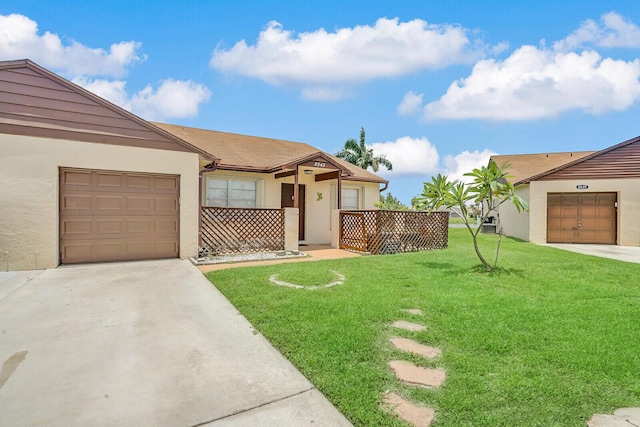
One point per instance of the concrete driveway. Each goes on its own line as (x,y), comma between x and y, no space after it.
(141,344)
(620,253)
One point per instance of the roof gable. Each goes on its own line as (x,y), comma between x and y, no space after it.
(37,102)
(618,161)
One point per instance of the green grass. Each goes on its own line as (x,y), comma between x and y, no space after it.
(458,220)
(547,339)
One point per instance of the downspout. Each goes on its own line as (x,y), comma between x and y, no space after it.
(386,185)
(211,167)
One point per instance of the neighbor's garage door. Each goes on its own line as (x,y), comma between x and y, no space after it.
(581,218)
(117,216)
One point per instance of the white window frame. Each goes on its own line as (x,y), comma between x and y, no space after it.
(259,188)
(334,196)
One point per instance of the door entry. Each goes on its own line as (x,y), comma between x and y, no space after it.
(287,202)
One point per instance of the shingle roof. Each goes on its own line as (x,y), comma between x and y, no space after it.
(257,154)
(524,166)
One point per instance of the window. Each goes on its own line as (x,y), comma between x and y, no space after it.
(231,194)
(351,198)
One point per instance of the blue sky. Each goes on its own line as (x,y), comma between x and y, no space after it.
(438,86)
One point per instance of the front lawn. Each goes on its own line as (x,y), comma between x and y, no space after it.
(548,339)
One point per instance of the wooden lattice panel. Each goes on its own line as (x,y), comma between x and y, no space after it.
(235,230)
(383,231)
(353,232)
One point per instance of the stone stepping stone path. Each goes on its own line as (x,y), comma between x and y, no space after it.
(410,346)
(411,374)
(409,411)
(408,326)
(624,417)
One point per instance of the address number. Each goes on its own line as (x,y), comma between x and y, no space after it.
(319,164)
(582,187)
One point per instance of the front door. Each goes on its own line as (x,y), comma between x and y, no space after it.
(287,202)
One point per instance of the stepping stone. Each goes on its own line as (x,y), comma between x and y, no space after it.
(624,417)
(413,414)
(415,311)
(415,375)
(629,414)
(603,420)
(405,344)
(409,326)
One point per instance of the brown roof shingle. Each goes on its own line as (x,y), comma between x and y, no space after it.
(525,166)
(257,154)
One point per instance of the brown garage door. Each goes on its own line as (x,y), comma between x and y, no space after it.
(117,216)
(581,218)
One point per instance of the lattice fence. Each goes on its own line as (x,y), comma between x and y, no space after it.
(235,230)
(383,231)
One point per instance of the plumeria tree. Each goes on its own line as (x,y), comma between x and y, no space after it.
(490,187)
(358,154)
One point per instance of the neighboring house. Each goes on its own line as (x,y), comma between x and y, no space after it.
(86,181)
(588,197)
(256,172)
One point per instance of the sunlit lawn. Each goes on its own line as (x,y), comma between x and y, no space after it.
(547,340)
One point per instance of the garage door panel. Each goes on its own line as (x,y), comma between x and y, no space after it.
(168,183)
(108,203)
(569,211)
(605,211)
(120,216)
(169,226)
(77,202)
(109,180)
(582,218)
(587,211)
(139,181)
(108,227)
(140,203)
(77,227)
(76,178)
(164,204)
(139,226)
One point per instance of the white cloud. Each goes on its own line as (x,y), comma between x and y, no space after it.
(325,94)
(409,156)
(536,82)
(612,31)
(410,104)
(172,99)
(349,55)
(19,39)
(456,166)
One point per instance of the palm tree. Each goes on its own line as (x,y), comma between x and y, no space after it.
(358,154)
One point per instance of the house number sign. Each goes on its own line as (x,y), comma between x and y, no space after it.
(582,186)
(319,164)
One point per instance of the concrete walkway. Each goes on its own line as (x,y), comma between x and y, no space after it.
(314,252)
(620,253)
(147,343)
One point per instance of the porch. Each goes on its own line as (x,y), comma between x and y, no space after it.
(226,231)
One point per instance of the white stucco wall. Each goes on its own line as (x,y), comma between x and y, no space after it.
(628,205)
(320,198)
(29,192)
(510,221)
